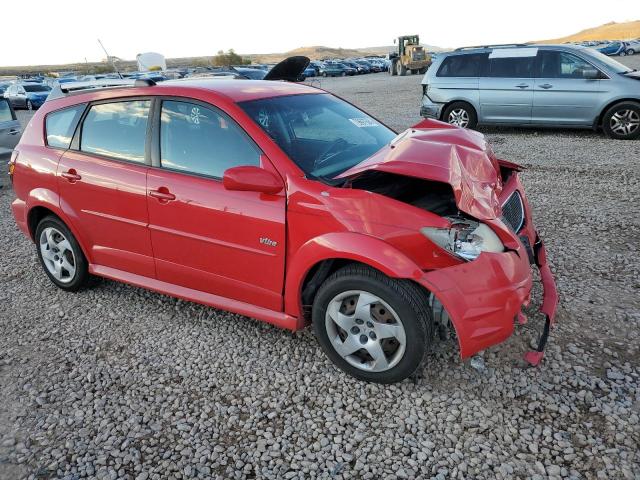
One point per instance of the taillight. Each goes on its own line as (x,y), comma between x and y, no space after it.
(12,163)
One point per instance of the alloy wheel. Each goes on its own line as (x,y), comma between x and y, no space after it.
(365,331)
(625,122)
(57,255)
(459,117)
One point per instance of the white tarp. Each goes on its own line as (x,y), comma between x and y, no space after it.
(513,52)
(151,61)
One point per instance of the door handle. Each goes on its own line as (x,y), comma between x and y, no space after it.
(71,175)
(546,86)
(162,194)
(522,85)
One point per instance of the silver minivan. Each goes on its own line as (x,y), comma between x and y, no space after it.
(533,85)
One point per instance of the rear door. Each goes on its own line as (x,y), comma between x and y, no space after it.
(506,86)
(207,238)
(102,182)
(562,95)
(10,128)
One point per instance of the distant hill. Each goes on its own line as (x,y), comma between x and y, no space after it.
(608,31)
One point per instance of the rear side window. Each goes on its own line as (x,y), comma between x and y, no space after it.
(462,65)
(60,126)
(116,130)
(5,111)
(511,67)
(202,140)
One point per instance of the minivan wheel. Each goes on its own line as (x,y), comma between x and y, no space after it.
(29,105)
(373,327)
(60,255)
(622,121)
(460,114)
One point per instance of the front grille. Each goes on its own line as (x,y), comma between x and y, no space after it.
(513,212)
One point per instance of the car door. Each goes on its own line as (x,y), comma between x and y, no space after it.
(10,94)
(102,183)
(20,97)
(207,238)
(506,87)
(567,91)
(10,128)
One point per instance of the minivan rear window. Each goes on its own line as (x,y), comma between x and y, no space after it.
(60,125)
(462,65)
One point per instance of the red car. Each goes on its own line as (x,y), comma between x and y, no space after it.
(285,203)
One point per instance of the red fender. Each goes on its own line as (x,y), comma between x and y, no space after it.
(343,245)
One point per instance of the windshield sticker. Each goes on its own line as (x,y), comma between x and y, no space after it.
(364,122)
(513,52)
(196,115)
(263,118)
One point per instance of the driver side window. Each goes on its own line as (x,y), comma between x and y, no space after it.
(562,65)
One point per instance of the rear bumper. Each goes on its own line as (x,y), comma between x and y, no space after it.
(18,207)
(484,298)
(430,109)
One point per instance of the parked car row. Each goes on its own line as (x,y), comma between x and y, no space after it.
(347,67)
(614,47)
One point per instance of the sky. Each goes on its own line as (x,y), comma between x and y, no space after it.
(67,31)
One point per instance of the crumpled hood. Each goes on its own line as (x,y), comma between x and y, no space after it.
(462,158)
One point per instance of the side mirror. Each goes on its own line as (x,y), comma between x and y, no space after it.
(591,74)
(251,179)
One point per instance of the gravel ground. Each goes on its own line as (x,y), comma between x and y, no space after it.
(118,382)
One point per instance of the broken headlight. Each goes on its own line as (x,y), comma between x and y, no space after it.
(466,238)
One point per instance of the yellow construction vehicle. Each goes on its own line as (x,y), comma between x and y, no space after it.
(410,56)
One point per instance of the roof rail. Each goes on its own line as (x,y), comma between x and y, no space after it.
(69,88)
(475,47)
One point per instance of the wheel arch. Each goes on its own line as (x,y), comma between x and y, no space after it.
(319,257)
(600,118)
(38,208)
(457,100)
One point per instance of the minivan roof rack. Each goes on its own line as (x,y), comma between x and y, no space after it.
(70,88)
(498,45)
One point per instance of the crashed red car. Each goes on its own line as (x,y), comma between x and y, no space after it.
(287,204)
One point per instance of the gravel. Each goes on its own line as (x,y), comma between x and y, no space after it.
(118,382)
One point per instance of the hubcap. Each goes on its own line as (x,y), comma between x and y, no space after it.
(365,331)
(625,122)
(459,117)
(57,255)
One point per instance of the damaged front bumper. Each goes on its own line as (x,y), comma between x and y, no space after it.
(484,298)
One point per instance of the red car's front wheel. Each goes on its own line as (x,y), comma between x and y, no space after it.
(373,327)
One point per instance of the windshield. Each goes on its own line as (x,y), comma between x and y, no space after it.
(609,62)
(36,88)
(322,134)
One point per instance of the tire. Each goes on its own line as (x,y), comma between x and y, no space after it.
(51,232)
(631,51)
(402,70)
(343,74)
(393,68)
(464,112)
(622,121)
(622,53)
(29,105)
(324,74)
(400,307)
(422,71)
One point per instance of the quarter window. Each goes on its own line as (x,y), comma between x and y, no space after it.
(202,140)
(60,126)
(462,65)
(511,67)
(561,65)
(117,130)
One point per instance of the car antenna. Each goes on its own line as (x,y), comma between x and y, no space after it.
(109,58)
